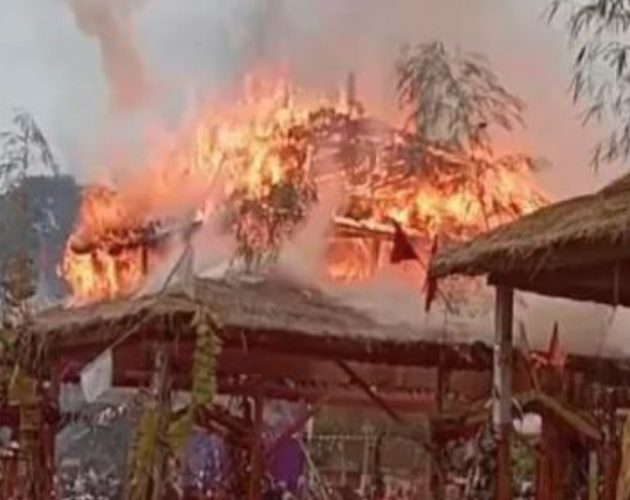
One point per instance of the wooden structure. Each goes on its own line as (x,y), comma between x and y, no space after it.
(288,338)
(577,249)
(279,341)
(284,341)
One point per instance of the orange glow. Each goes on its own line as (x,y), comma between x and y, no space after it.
(269,139)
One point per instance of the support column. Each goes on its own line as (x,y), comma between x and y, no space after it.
(552,464)
(256,454)
(502,393)
(438,472)
(593,475)
(161,393)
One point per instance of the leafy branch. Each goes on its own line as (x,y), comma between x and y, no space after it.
(598,30)
(453,98)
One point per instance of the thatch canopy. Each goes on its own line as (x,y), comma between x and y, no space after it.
(289,336)
(257,313)
(578,248)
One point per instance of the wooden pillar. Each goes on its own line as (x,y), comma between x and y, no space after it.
(161,393)
(593,475)
(257,451)
(342,452)
(611,466)
(552,464)
(438,472)
(502,394)
(365,468)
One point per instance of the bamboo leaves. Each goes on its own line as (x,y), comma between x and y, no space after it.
(159,435)
(204,381)
(150,453)
(453,97)
(144,455)
(601,75)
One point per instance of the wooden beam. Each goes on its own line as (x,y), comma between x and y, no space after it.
(82,345)
(502,391)
(605,283)
(541,402)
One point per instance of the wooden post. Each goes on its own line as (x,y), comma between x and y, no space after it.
(161,394)
(365,468)
(593,475)
(502,393)
(552,464)
(438,486)
(342,452)
(256,451)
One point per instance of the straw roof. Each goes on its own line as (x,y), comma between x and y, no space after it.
(276,315)
(578,248)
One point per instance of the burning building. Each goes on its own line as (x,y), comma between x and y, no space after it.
(256,170)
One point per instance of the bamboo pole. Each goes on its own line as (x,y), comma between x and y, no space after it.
(502,393)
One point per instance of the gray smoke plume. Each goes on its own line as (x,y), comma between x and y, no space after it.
(109,21)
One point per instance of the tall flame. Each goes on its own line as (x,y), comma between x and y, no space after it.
(253,161)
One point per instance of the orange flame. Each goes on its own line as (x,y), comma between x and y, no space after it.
(269,139)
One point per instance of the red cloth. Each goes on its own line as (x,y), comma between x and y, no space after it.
(403,249)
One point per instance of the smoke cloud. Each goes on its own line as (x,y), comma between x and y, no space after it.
(201,46)
(109,22)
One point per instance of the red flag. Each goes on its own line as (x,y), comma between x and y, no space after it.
(431,284)
(403,249)
(553,358)
(554,354)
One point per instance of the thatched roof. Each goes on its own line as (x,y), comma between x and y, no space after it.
(578,248)
(260,313)
(290,336)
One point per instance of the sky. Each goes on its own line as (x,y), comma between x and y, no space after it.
(54,68)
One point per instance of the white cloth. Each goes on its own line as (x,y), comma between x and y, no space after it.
(96,377)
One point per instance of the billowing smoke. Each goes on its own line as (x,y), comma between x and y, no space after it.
(209,45)
(109,22)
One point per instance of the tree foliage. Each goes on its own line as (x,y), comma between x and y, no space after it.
(453,98)
(21,149)
(598,30)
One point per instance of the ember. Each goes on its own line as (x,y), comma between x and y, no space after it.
(258,167)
